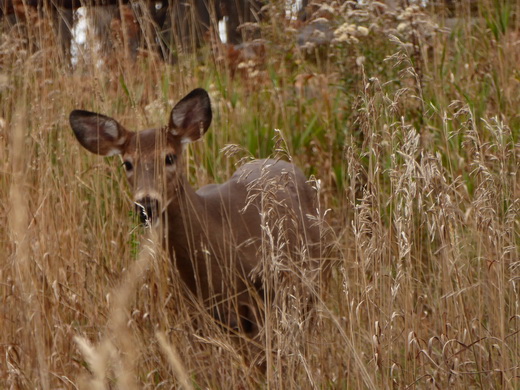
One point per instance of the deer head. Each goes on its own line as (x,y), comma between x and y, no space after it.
(152,158)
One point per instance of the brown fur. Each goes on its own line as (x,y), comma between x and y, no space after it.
(214,235)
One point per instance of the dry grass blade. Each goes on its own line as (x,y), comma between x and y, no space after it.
(24,266)
(175,361)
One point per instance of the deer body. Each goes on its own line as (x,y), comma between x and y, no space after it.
(216,235)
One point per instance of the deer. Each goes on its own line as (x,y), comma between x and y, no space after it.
(216,237)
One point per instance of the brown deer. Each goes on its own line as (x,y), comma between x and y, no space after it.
(217,237)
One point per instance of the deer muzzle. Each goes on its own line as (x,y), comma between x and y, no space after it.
(148,210)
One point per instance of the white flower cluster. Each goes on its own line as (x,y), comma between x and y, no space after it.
(412,19)
(349,33)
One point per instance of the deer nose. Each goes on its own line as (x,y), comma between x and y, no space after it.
(148,209)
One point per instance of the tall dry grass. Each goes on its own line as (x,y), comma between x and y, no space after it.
(408,119)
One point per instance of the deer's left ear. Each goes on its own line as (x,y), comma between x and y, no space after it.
(191,116)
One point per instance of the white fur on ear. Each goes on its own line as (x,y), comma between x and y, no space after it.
(178,117)
(110,127)
(113,152)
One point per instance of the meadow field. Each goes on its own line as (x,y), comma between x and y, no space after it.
(406,121)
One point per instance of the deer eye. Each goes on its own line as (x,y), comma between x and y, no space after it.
(128,166)
(170,159)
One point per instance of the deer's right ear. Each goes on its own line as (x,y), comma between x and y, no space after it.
(98,133)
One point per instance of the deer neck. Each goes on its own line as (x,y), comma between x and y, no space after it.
(187,236)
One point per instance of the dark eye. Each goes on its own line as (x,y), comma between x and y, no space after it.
(170,159)
(128,165)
